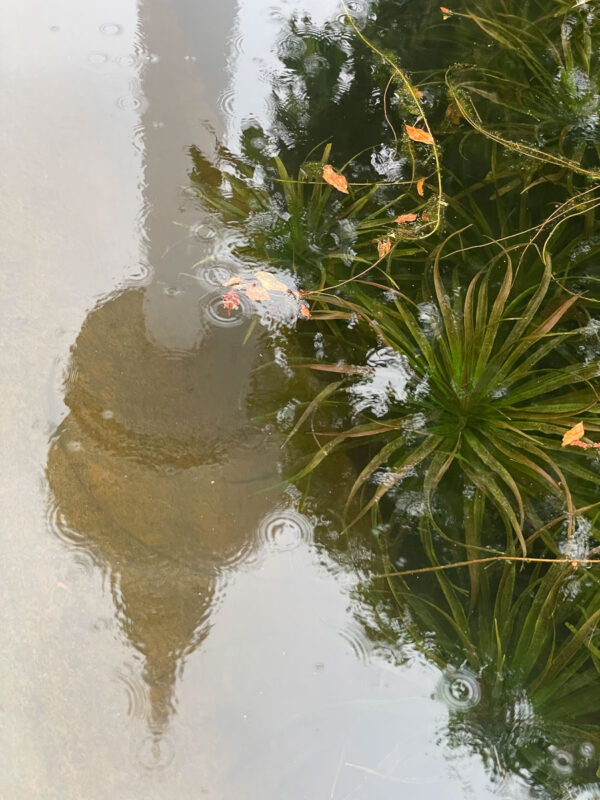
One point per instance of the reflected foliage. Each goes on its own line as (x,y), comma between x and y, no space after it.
(451,366)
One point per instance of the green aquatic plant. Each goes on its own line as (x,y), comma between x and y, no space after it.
(487,385)
(444,377)
(302,223)
(535,91)
(520,640)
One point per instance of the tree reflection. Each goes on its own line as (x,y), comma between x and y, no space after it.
(517,644)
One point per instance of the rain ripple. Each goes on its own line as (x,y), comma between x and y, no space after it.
(285,529)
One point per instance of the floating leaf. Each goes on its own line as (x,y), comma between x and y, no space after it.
(420,185)
(271,283)
(419,135)
(406,218)
(257,293)
(334,179)
(573,435)
(233,282)
(231,300)
(304,310)
(581,444)
(425,216)
(383,247)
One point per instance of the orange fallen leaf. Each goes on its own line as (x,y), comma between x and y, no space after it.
(233,282)
(383,247)
(406,218)
(304,310)
(419,135)
(257,293)
(419,94)
(334,179)
(445,11)
(420,185)
(573,435)
(270,282)
(231,301)
(425,216)
(583,445)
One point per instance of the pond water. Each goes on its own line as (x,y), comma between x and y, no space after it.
(178,618)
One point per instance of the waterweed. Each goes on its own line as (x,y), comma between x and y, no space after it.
(301,223)
(498,388)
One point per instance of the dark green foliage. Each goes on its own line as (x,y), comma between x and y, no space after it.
(451,367)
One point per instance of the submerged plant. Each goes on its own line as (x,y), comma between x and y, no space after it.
(482,381)
(305,223)
(536,90)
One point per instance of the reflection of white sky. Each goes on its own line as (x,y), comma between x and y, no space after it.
(257,30)
(70,207)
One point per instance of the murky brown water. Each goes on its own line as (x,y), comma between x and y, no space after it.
(169,628)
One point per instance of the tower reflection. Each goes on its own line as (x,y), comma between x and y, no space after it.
(155,473)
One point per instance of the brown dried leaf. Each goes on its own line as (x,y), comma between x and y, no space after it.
(257,293)
(419,135)
(334,179)
(406,218)
(383,247)
(573,435)
(420,185)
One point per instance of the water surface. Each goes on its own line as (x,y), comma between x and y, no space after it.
(177,621)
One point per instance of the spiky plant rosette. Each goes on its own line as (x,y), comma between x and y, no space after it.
(300,222)
(485,383)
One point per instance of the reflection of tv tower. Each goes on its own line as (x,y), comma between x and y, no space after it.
(153,471)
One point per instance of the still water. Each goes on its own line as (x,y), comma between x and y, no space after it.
(174,622)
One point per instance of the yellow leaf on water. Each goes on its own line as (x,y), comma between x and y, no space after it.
(420,185)
(383,247)
(573,435)
(334,179)
(270,282)
(257,293)
(419,135)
